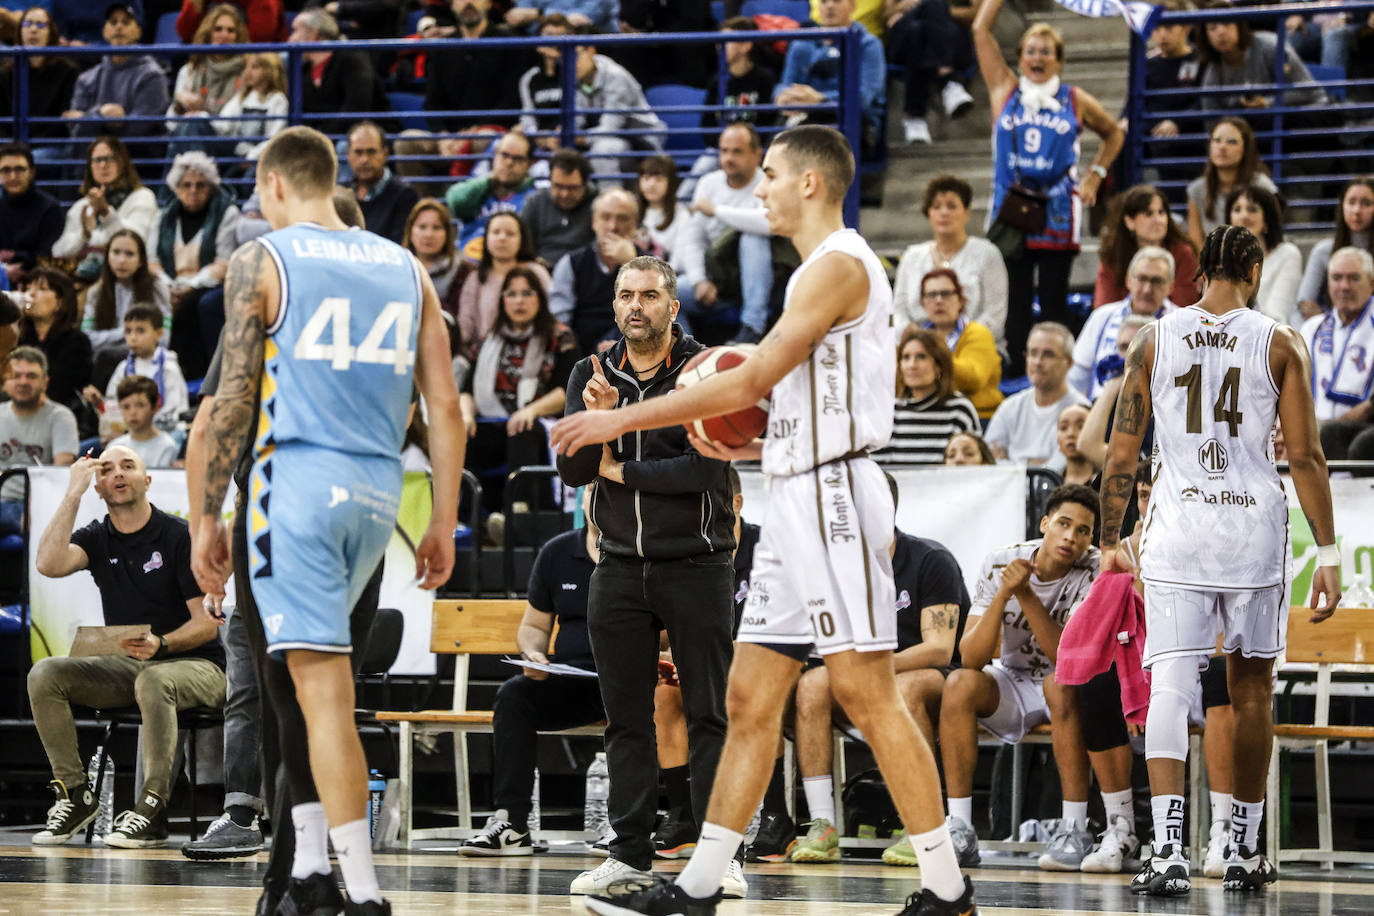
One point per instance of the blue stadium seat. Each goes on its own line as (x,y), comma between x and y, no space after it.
(166,33)
(409,102)
(412,21)
(1324,74)
(675,94)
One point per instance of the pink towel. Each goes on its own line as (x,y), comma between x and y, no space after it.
(1109,626)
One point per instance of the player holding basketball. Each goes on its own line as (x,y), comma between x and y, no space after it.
(324,325)
(822,574)
(1215,553)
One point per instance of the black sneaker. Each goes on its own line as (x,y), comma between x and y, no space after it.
(925,903)
(368,908)
(498,838)
(317,895)
(1247,870)
(658,897)
(69,815)
(1164,873)
(775,839)
(144,826)
(676,837)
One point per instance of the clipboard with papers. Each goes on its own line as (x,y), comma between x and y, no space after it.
(550,667)
(92,641)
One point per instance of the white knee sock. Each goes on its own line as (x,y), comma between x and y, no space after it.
(1119,804)
(1221,807)
(1168,818)
(820,796)
(1245,823)
(939,868)
(312,841)
(716,846)
(353,846)
(1075,813)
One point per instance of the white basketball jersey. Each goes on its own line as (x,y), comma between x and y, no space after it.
(839,400)
(1218,517)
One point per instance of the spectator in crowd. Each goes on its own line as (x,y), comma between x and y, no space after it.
(266,19)
(121,86)
(505,246)
(532,701)
(1234,55)
(1232,162)
(194,238)
(472,78)
(583,287)
(727,217)
(1350,437)
(977,364)
(747,83)
(964,449)
(1092,441)
(1025,594)
(34,430)
(1136,218)
(1261,212)
(138,400)
(652,65)
(334,82)
(52,79)
(541,87)
(385,199)
(598,15)
(606,86)
(1172,64)
(977,262)
(52,323)
(1036,124)
(260,101)
(932,606)
(1078,468)
(502,190)
(148,357)
(519,375)
(112,198)
(559,217)
(811,74)
(206,82)
(82,21)
(665,221)
(1024,427)
(1341,340)
(1319,39)
(125,281)
(934,51)
(928,409)
(30,219)
(871,14)
(1096,356)
(429,235)
(178,664)
(1354,216)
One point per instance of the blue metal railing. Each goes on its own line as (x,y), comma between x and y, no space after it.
(847,110)
(1345,141)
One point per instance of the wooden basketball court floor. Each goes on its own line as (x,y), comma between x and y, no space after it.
(77,879)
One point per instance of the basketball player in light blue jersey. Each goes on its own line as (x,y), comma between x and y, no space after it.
(327,330)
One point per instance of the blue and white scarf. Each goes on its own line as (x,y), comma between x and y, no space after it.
(1346,377)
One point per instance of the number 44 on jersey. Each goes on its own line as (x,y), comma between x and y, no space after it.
(334,314)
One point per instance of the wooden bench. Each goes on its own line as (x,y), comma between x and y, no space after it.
(462,628)
(1345,639)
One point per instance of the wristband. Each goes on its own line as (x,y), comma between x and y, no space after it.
(161,647)
(1100,171)
(1330,555)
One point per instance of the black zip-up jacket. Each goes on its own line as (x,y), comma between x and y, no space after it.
(675,502)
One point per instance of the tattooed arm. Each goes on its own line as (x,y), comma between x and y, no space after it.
(251,294)
(1123,449)
(936,648)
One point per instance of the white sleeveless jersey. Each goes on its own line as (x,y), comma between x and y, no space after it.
(1218,517)
(839,400)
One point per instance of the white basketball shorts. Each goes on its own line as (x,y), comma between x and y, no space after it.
(1183,621)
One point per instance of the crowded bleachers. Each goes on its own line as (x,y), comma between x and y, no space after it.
(525,153)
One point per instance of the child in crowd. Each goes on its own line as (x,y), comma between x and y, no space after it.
(125,281)
(138,399)
(261,101)
(142,329)
(968,448)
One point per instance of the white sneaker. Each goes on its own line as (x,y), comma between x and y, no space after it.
(917,130)
(1218,850)
(1117,845)
(957,100)
(733,884)
(600,879)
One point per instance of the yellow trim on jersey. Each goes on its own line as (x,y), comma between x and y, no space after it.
(267,389)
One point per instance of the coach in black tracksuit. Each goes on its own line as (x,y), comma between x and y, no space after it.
(667,542)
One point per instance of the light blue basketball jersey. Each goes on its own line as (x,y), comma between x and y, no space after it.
(340,357)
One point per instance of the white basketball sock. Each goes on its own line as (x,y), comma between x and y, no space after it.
(716,846)
(939,868)
(353,846)
(1245,823)
(820,797)
(1168,818)
(312,841)
(1119,804)
(962,808)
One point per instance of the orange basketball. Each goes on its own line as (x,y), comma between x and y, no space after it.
(731,430)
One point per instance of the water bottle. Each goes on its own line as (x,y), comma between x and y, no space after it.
(102,823)
(376,790)
(595,820)
(532,822)
(1360,594)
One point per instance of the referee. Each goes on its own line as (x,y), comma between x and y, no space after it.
(667,543)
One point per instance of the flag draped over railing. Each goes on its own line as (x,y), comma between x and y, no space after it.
(1140,16)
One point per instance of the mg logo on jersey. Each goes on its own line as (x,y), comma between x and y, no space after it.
(1212,457)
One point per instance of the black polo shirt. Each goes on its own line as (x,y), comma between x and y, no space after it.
(744,561)
(559,584)
(145,577)
(926,574)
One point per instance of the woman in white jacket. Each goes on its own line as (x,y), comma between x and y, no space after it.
(112,198)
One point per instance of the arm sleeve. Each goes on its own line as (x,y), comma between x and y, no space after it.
(984,590)
(73,236)
(225,243)
(618,98)
(465,198)
(694,244)
(83,94)
(998,431)
(581,467)
(792,65)
(1185,291)
(906,289)
(561,298)
(873,76)
(753,220)
(691,472)
(49,230)
(941,581)
(1081,372)
(263,18)
(150,98)
(189,19)
(89,537)
(175,397)
(978,364)
(1283,287)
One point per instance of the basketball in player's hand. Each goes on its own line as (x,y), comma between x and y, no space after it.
(732,430)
